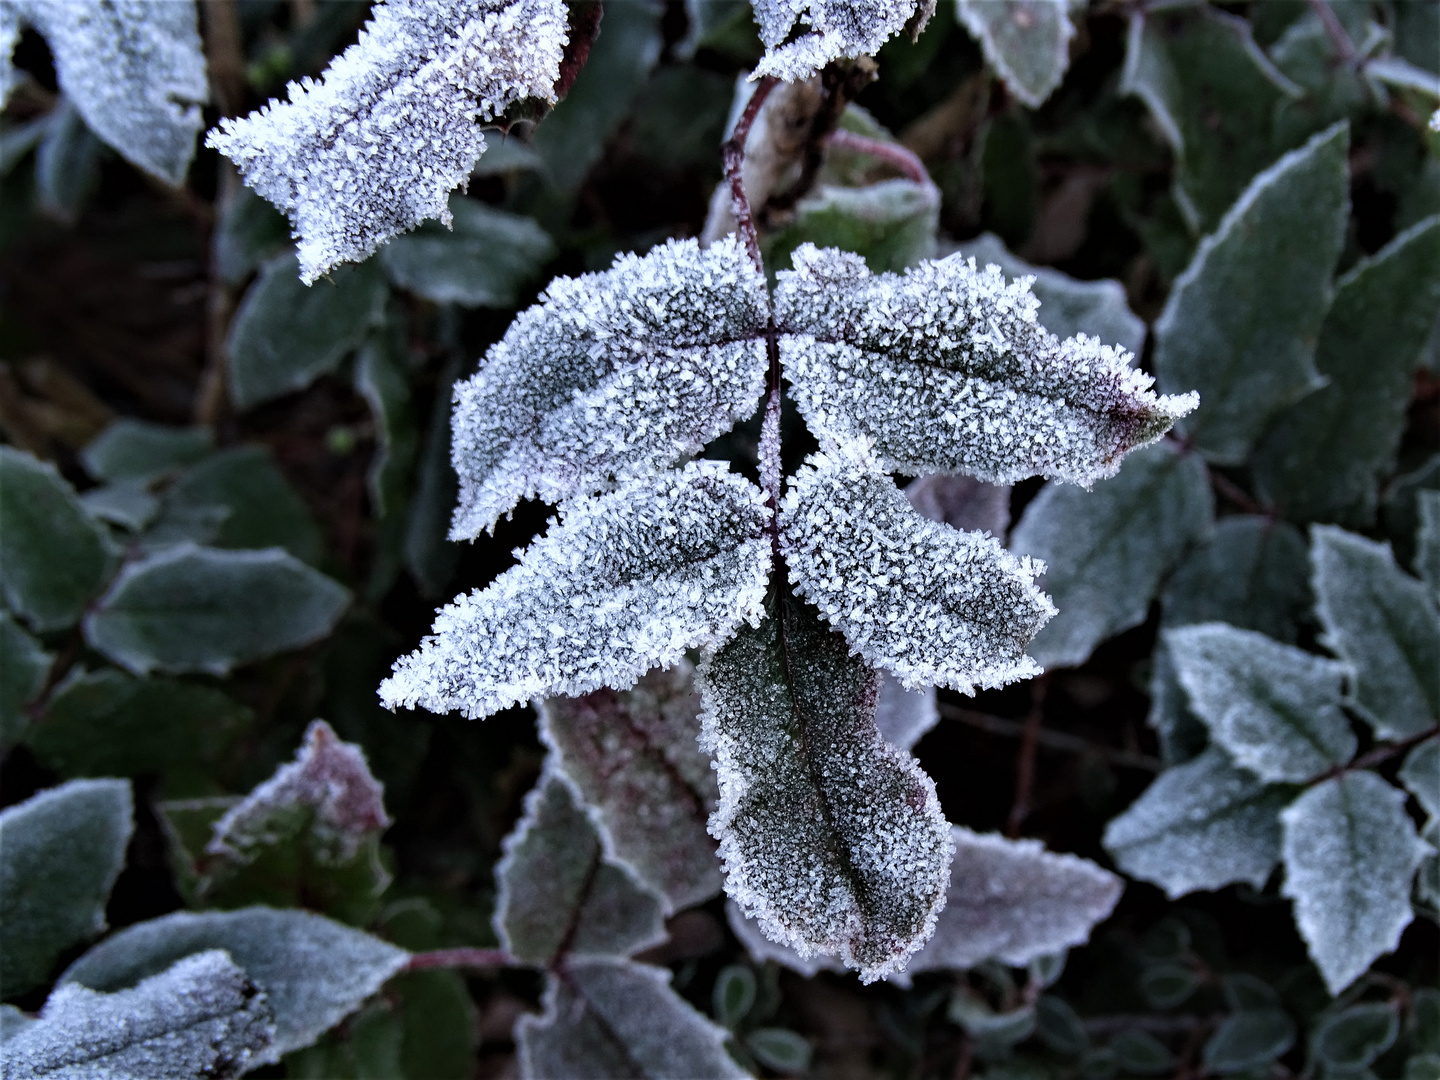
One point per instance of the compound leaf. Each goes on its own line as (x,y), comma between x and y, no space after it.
(23,668)
(1241,323)
(835,30)
(378,143)
(832,839)
(1350,854)
(1200,825)
(927,603)
(947,370)
(60,853)
(135,450)
(1274,708)
(559,894)
(1026,41)
(623,583)
(612,376)
(1384,624)
(200,1019)
(633,756)
(314,971)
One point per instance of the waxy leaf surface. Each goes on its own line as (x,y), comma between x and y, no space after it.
(1026,41)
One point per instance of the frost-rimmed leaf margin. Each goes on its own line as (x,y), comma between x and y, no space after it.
(1027,42)
(838,29)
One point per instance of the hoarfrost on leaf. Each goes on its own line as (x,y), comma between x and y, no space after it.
(929,604)
(1026,41)
(200,1019)
(1421,774)
(1274,708)
(376,145)
(837,29)
(946,369)
(1350,854)
(611,376)
(625,582)
(832,839)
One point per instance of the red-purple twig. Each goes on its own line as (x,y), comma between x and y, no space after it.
(909,165)
(461,958)
(1334,30)
(733,155)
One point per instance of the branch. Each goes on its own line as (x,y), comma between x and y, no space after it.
(1025,763)
(1334,30)
(1051,740)
(904,160)
(461,958)
(733,155)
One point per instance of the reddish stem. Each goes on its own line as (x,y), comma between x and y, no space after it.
(906,162)
(733,155)
(460,958)
(1025,765)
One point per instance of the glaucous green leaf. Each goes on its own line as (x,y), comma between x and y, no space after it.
(314,971)
(610,1019)
(1252,573)
(1027,42)
(1323,458)
(1275,709)
(1168,984)
(1305,54)
(733,994)
(130,449)
(1241,323)
(428,552)
(1354,1037)
(560,895)
(1400,510)
(780,1049)
(249,233)
(60,853)
(1142,1054)
(381,379)
(1427,539)
(1248,1040)
(202,609)
(1384,624)
(1200,825)
(1350,854)
(200,1019)
(286,334)
(1421,774)
(1107,550)
(12,1021)
(127,504)
(891,224)
(67,163)
(634,758)
(24,666)
(54,557)
(1059,1027)
(832,839)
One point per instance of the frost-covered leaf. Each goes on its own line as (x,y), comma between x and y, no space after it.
(133,68)
(13,1021)
(623,583)
(1201,825)
(1323,458)
(962,502)
(613,375)
(890,224)
(617,1020)
(1274,708)
(60,853)
(53,556)
(1241,323)
(929,604)
(1251,573)
(903,716)
(1106,551)
(1013,901)
(482,260)
(23,668)
(1421,774)
(761,948)
(201,609)
(67,164)
(376,145)
(947,369)
(381,379)
(1350,854)
(286,334)
(633,756)
(832,839)
(834,29)
(1026,41)
(126,504)
(1383,623)
(314,972)
(560,895)
(134,450)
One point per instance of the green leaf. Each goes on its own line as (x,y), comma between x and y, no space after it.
(53,557)
(1241,323)
(560,894)
(380,378)
(1059,1027)
(429,553)
(369,1047)
(1427,539)
(67,163)
(12,1022)
(1350,854)
(483,260)
(127,504)
(441,1030)
(1142,1054)
(1244,991)
(1248,1040)
(1384,624)
(891,224)
(249,233)
(1027,42)
(1424,1026)
(139,451)
(733,994)
(1353,1038)
(780,1049)
(24,666)
(1421,774)
(60,853)
(1251,573)
(200,609)
(1168,984)
(1322,458)
(1401,508)
(1107,550)
(1201,825)
(188,825)
(314,971)
(286,334)
(106,723)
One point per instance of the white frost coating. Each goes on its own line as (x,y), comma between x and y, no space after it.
(1350,854)
(761,948)
(1201,825)
(1026,41)
(134,69)
(376,145)
(946,369)
(613,375)
(837,28)
(904,716)
(932,605)
(625,582)
(1274,708)
(1013,901)
(201,1018)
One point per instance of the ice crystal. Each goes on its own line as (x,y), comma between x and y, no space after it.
(612,375)
(837,28)
(928,603)
(376,145)
(625,582)
(946,369)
